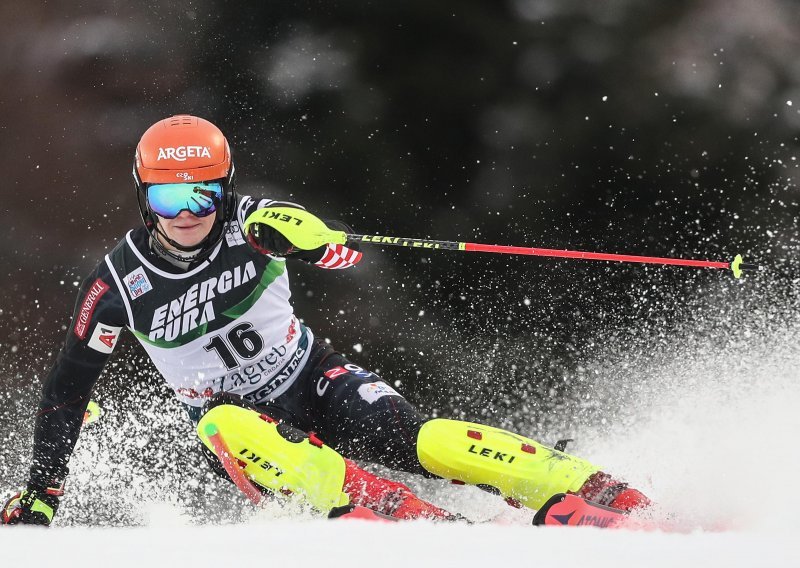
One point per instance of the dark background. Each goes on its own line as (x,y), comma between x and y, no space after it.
(631,126)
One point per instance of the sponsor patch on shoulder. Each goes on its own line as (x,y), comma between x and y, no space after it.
(84,315)
(138,283)
(104,337)
(233,234)
(373,391)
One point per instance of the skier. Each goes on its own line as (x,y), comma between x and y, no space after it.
(209,302)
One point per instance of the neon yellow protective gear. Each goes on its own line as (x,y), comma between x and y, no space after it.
(278,457)
(92,412)
(517,467)
(301,228)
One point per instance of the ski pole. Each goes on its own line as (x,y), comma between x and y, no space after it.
(736,265)
(308,232)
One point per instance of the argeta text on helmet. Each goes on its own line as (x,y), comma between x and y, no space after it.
(181,153)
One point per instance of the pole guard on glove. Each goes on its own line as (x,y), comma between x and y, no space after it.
(303,230)
(282,231)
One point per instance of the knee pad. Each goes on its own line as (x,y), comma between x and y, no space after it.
(278,457)
(516,467)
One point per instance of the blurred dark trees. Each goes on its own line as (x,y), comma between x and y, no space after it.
(663,128)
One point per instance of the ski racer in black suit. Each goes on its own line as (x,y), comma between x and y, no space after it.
(209,302)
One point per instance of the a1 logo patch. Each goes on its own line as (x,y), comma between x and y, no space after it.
(104,337)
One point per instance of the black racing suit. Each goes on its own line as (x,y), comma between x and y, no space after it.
(222,325)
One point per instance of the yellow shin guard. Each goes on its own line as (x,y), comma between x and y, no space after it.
(278,457)
(518,468)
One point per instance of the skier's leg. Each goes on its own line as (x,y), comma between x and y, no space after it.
(516,467)
(282,459)
(364,418)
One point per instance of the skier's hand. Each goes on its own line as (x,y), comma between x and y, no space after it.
(32,506)
(281,230)
(288,231)
(268,240)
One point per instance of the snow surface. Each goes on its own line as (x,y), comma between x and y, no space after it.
(360,543)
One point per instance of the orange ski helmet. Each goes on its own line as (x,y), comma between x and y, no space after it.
(182,148)
(185,149)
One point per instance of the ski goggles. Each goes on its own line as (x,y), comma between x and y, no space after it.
(200,199)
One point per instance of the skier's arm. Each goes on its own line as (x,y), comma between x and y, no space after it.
(96,324)
(269,240)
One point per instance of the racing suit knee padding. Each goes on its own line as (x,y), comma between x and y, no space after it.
(234,400)
(498,460)
(217,400)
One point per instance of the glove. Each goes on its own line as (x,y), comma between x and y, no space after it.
(283,229)
(33,506)
(267,240)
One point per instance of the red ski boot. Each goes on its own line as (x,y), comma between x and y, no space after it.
(603,489)
(388,497)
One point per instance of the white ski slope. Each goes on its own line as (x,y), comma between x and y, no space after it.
(359,543)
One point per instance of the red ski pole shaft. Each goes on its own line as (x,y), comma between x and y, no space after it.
(557,253)
(736,265)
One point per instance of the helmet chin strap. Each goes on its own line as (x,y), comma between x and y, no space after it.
(199,249)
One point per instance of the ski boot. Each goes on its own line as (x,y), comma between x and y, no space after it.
(388,497)
(603,489)
(283,460)
(520,469)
